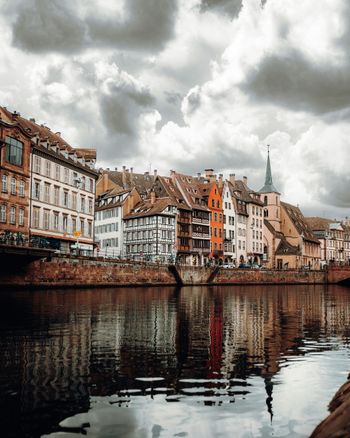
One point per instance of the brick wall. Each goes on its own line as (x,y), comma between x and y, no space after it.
(71,272)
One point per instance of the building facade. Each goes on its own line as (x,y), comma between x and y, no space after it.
(150,230)
(111,207)
(15,147)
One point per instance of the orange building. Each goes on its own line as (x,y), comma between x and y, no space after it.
(211,192)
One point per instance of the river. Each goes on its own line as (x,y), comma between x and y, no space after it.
(243,361)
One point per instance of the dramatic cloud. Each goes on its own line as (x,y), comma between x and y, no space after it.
(43,26)
(190,84)
(66,27)
(230,7)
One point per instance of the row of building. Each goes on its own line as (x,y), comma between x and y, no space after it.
(51,193)
(47,187)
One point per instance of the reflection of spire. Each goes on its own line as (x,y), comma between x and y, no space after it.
(268,389)
(268,187)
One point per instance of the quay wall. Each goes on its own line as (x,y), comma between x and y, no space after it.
(79,272)
(257,276)
(85,272)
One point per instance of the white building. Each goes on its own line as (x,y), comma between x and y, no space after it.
(150,230)
(230,220)
(109,227)
(62,193)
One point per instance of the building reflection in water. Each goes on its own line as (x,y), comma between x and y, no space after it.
(60,348)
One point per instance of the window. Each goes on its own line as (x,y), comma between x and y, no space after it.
(36,217)
(3,213)
(65,198)
(47,193)
(55,220)
(66,175)
(21,217)
(56,193)
(48,168)
(82,227)
(46,219)
(74,225)
(36,191)
(65,223)
(4,183)
(74,201)
(91,205)
(14,151)
(21,188)
(82,204)
(89,229)
(57,172)
(13,215)
(37,164)
(13,186)
(91,185)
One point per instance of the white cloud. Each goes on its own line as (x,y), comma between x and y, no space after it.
(211,88)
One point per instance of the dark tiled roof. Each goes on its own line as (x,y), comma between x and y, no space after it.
(165,187)
(142,182)
(191,191)
(285,248)
(270,227)
(146,208)
(318,223)
(299,222)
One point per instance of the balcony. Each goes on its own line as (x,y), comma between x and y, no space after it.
(198,220)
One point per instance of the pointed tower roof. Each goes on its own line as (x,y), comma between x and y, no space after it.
(268,187)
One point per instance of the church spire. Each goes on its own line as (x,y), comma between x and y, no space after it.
(268,187)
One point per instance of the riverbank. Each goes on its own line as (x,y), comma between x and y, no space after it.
(337,424)
(59,271)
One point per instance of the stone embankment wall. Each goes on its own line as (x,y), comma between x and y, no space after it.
(84,272)
(337,274)
(260,276)
(71,272)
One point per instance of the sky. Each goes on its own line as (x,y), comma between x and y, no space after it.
(192,84)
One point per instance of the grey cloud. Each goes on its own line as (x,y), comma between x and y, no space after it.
(228,7)
(145,25)
(335,189)
(193,101)
(291,81)
(55,26)
(43,26)
(121,107)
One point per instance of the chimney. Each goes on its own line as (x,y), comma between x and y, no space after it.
(58,133)
(155,173)
(198,175)
(245,180)
(32,120)
(131,175)
(153,197)
(124,177)
(221,182)
(104,181)
(146,173)
(232,178)
(116,169)
(208,173)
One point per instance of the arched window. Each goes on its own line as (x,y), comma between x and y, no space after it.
(265,200)
(266,212)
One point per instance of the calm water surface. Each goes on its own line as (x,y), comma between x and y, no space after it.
(164,362)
